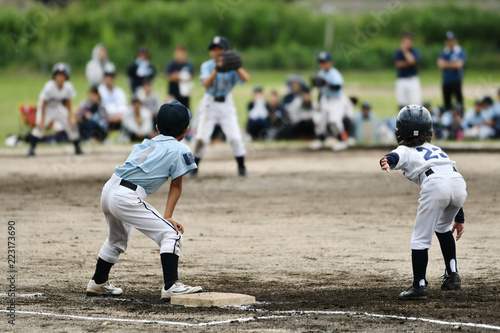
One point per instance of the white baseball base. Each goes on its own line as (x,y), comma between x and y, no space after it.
(212,299)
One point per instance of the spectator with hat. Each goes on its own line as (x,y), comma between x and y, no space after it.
(140,69)
(113,98)
(406,58)
(300,114)
(452,61)
(365,124)
(94,70)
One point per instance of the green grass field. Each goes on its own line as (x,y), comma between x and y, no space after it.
(377,87)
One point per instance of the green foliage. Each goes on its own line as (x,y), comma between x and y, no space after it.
(270,34)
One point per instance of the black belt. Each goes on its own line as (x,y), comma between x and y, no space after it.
(430,171)
(128,184)
(220,99)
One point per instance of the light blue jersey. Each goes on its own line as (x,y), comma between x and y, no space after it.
(152,162)
(333,77)
(223,82)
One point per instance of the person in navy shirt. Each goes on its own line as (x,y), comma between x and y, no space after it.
(179,75)
(406,58)
(452,61)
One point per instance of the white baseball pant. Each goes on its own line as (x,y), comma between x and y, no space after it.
(441,196)
(224,114)
(124,209)
(332,111)
(408,91)
(59,114)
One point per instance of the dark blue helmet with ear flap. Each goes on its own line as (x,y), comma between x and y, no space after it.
(413,121)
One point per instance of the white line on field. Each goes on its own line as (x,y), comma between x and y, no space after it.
(22,295)
(275,315)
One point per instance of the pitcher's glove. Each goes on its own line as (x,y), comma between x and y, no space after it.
(229,61)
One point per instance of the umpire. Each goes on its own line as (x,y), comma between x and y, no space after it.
(452,61)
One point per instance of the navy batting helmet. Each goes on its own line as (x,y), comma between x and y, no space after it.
(61,67)
(413,121)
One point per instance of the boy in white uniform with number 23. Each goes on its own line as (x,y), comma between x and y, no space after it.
(443,192)
(147,168)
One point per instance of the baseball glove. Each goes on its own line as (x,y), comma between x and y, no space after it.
(229,61)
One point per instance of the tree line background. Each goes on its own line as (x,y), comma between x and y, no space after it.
(270,34)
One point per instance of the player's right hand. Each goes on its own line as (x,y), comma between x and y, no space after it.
(459,227)
(384,164)
(178,227)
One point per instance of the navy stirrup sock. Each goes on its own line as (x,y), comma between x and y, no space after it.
(169,264)
(102,269)
(448,248)
(419,260)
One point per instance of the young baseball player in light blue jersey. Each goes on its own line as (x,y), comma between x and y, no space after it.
(147,168)
(443,192)
(217,105)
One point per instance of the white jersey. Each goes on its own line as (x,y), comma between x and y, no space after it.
(114,100)
(55,96)
(413,161)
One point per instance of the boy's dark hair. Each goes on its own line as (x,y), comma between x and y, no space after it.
(94,90)
(415,142)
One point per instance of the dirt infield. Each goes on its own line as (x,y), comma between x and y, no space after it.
(323,232)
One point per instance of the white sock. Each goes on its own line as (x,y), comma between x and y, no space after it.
(421,283)
(453,266)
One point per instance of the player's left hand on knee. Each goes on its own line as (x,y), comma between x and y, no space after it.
(177,225)
(459,227)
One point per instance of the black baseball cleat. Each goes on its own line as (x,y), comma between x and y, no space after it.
(451,282)
(30,153)
(242,172)
(414,293)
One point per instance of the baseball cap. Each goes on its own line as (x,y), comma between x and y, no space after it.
(450,35)
(487,100)
(173,118)
(366,105)
(219,41)
(324,56)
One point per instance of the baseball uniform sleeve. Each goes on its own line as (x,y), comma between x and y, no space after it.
(398,55)
(206,69)
(184,164)
(460,217)
(416,54)
(45,93)
(463,55)
(71,90)
(170,68)
(402,153)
